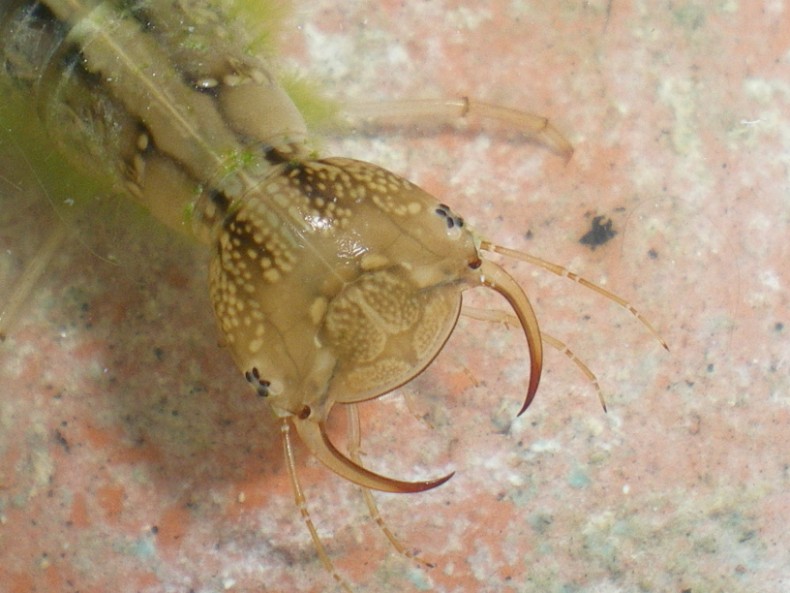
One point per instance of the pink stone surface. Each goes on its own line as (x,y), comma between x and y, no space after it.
(133,457)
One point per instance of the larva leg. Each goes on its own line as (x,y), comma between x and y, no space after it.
(511,320)
(354,443)
(566,273)
(24,286)
(301,503)
(452,110)
(562,347)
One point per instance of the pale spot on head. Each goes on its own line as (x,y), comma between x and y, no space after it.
(372,261)
(318,310)
(271,276)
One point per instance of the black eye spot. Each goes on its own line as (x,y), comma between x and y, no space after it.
(444,211)
(261,385)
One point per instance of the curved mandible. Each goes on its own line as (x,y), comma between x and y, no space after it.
(493,276)
(313,434)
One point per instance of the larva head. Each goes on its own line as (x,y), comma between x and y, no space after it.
(335,281)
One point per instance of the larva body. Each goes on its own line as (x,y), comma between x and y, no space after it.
(333,281)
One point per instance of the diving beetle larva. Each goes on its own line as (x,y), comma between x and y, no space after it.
(333,280)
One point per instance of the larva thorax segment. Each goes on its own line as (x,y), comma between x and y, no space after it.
(163,100)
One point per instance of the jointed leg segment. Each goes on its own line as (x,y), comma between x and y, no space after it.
(452,110)
(354,443)
(301,504)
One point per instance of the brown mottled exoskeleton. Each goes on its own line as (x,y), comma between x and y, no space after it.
(333,281)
